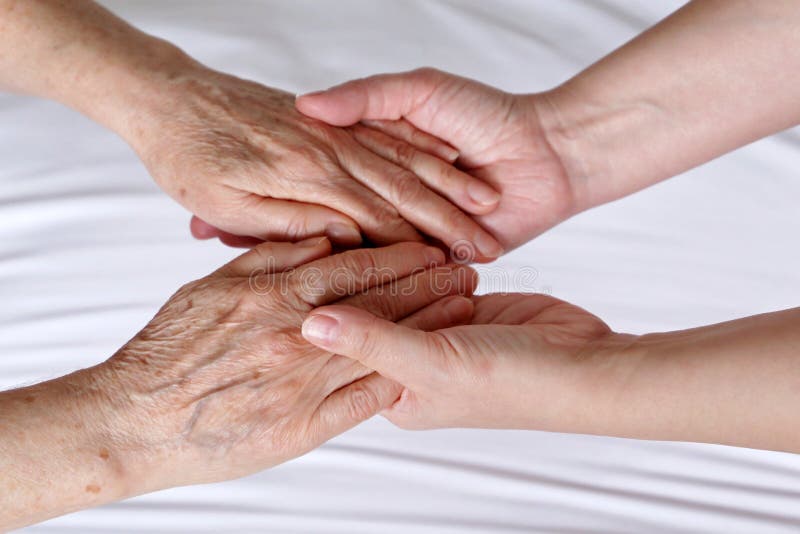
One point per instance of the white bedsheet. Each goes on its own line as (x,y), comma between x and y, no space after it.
(89,249)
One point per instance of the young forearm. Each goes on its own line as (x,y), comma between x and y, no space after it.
(714,76)
(735,383)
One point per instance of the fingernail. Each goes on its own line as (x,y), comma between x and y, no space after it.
(450,154)
(343,233)
(482,194)
(434,256)
(311,242)
(488,246)
(322,328)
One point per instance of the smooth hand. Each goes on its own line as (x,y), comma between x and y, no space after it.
(499,136)
(523,361)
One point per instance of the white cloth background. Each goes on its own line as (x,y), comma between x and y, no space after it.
(89,249)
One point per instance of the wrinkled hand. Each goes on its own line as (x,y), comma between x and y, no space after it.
(221,383)
(523,361)
(499,137)
(245,161)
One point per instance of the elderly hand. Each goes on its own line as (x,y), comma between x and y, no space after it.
(246,162)
(500,138)
(523,361)
(220,383)
(224,376)
(234,152)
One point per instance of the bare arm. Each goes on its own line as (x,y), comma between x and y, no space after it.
(712,77)
(534,362)
(715,75)
(220,384)
(234,152)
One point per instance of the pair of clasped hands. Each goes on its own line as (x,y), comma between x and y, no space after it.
(291,344)
(412,175)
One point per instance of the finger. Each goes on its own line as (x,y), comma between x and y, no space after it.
(378,219)
(347,273)
(275,257)
(444,313)
(377,343)
(237,241)
(419,205)
(354,403)
(385,96)
(405,296)
(464,190)
(272,219)
(436,312)
(405,131)
(202,230)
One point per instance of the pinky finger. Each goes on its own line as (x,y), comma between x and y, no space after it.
(202,230)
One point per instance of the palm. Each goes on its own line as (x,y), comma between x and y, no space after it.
(558,320)
(507,332)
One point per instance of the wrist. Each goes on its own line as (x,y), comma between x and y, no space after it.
(570,139)
(130,93)
(603,144)
(58,450)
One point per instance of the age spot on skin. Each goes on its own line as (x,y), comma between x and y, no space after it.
(29,399)
(103,454)
(93,488)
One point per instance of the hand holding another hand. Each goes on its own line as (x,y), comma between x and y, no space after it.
(251,168)
(502,139)
(523,361)
(220,383)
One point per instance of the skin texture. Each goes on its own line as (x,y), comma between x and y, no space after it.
(517,352)
(220,383)
(232,151)
(499,137)
(670,99)
(534,362)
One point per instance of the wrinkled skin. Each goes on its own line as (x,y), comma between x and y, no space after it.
(247,163)
(221,383)
(499,136)
(524,361)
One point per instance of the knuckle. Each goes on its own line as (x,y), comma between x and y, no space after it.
(360,261)
(362,403)
(404,154)
(405,189)
(386,216)
(456,222)
(427,72)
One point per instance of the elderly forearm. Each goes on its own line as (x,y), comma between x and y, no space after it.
(80,54)
(712,77)
(58,450)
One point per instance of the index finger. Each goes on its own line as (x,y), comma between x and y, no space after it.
(328,279)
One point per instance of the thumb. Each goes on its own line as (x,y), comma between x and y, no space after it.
(397,352)
(385,96)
